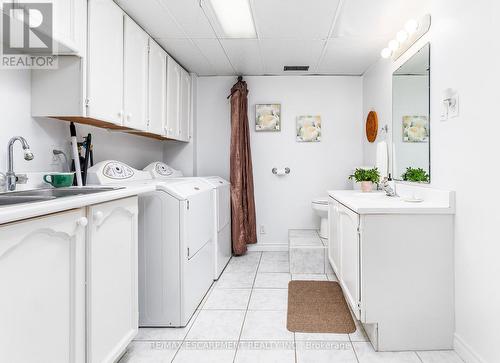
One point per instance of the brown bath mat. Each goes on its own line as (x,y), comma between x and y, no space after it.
(318,307)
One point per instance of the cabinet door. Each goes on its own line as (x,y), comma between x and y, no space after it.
(185,106)
(350,257)
(42,283)
(112,302)
(334,237)
(157,88)
(135,76)
(173,97)
(105,61)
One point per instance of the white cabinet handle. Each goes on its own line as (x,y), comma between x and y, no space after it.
(129,116)
(82,221)
(98,217)
(120,114)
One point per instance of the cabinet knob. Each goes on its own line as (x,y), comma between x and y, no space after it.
(82,221)
(129,116)
(98,217)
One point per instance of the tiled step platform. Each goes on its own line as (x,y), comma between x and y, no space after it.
(308,252)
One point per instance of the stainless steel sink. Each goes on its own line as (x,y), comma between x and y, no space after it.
(39,195)
(8,200)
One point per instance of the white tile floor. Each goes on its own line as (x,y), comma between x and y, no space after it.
(243,319)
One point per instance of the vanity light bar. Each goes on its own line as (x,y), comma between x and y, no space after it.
(405,38)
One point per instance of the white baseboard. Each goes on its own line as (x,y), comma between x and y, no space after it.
(465,351)
(268,247)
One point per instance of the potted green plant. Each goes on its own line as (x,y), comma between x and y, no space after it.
(367,177)
(417,175)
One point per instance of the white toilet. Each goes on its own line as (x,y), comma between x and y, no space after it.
(320,207)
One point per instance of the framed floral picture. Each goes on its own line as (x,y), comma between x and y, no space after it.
(268,117)
(415,129)
(309,128)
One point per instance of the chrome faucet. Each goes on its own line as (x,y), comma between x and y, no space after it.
(386,187)
(12,178)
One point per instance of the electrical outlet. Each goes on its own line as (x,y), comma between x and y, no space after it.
(262,229)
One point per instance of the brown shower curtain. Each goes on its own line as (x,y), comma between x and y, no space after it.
(244,230)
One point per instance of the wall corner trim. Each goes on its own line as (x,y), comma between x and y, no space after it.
(465,351)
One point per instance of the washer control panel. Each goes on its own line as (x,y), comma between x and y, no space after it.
(117,170)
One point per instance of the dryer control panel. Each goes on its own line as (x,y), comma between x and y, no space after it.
(115,172)
(161,170)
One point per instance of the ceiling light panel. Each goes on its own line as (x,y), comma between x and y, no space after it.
(294,19)
(235,18)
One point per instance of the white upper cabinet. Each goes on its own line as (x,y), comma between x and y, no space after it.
(135,95)
(67,32)
(173,98)
(123,80)
(42,282)
(105,62)
(157,89)
(185,106)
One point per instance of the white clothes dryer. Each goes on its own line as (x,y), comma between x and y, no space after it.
(222,211)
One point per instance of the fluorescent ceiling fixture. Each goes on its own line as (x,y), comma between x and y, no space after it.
(235,18)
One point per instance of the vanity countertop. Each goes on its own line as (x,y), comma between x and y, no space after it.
(434,201)
(18,212)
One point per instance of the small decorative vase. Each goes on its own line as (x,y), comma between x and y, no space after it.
(366,186)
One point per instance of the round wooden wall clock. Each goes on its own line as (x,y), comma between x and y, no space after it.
(371,126)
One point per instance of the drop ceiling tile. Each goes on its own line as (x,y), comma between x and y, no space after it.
(214,53)
(190,17)
(153,17)
(381,18)
(188,55)
(350,55)
(294,18)
(277,53)
(244,55)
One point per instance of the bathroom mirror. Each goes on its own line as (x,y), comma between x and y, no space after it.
(411,119)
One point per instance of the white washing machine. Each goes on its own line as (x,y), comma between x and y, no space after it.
(175,243)
(222,211)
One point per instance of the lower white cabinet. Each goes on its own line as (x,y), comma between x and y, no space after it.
(349,242)
(112,301)
(396,272)
(42,283)
(68,284)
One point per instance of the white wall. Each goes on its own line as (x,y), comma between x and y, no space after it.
(284,203)
(465,54)
(43,135)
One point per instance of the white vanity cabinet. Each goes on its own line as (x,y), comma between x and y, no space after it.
(394,261)
(42,283)
(112,284)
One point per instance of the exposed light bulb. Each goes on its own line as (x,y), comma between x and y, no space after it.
(393,45)
(385,53)
(411,26)
(402,36)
